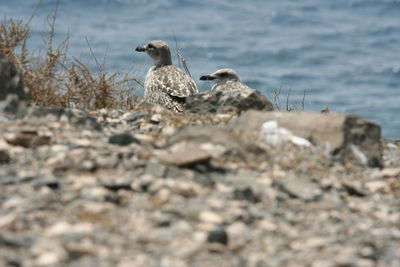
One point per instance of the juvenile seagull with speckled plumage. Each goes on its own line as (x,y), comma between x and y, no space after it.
(225,80)
(165,84)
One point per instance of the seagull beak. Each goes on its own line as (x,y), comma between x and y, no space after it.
(140,49)
(207,78)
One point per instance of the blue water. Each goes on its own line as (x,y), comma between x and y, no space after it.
(346,53)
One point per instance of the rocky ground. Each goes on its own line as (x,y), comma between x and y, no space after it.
(148,187)
(218,185)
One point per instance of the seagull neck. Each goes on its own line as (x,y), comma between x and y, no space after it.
(161,63)
(163,60)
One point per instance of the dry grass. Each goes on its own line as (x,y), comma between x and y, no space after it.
(288,105)
(55,78)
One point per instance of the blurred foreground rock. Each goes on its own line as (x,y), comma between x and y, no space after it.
(149,187)
(348,137)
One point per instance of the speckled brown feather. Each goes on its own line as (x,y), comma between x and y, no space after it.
(166,84)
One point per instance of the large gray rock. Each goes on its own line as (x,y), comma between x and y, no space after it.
(349,137)
(10,80)
(227,101)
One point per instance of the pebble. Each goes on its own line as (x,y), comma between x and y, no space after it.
(210,217)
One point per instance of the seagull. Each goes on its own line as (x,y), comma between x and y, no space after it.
(165,84)
(225,80)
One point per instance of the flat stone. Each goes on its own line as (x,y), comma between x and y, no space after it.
(184,154)
(299,187)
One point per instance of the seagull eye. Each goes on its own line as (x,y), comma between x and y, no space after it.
(150,46)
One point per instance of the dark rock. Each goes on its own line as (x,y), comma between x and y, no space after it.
(4,156)
(10,80)
(113,198)
(218,235)
(246,194)
(29,140)
(227,101)
(349,137)
(50,183)
(122,139)
(14,263)
(122,185)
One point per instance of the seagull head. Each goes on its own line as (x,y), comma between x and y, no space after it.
(159,51)
(222,76)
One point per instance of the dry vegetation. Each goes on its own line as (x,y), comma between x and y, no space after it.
(288,105)
(55,78)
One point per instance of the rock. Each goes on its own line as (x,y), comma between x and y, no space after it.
(10,80)
(28,139)
(299,187)
(12,241)
(378,186)
(354,189)
(184,154)
(226,197)
(134,116)
(227,101)
(238,234)
(48,182)
(218,235)
(4,156)
(350,138)
(122,139)
(210,217)
(123,184)
(246,194)
(390,172)
(275,135)
(155,168)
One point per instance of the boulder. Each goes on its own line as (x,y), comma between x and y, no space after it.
(10,80)
(349,137)
(227,101)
